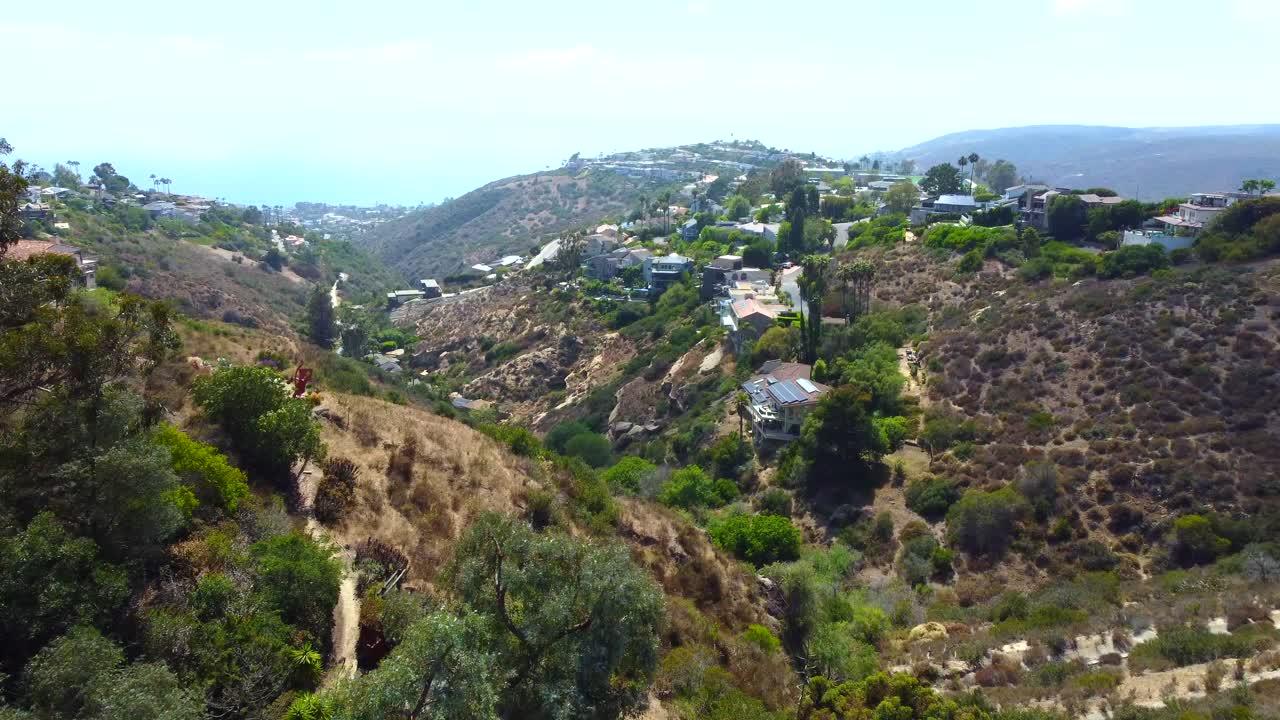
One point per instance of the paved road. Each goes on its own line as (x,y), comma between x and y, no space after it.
(789,286)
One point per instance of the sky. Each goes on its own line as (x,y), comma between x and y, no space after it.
(408,101)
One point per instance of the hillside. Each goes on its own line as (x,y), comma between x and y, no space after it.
(1145,163)
(508,216)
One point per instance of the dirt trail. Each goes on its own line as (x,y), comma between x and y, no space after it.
(346,614)
(912,386)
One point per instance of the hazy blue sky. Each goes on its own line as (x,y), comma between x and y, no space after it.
(415,100)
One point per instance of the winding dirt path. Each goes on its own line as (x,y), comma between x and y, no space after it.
(346,613)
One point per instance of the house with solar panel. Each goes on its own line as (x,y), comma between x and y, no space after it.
(780,396)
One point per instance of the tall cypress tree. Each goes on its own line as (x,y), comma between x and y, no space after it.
(322,324)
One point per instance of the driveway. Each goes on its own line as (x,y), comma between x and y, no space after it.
(789,286)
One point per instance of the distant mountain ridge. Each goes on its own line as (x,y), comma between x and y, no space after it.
(1147,163)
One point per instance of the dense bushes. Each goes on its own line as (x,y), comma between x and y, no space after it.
(931,497)
(963,238)
(215,479)
(758,539)
(984,523)
(1244,231)
(691,487)
(631,475)
(1132,260)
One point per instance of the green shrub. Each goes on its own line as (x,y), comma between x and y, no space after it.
(592,448)
(691,487)
(774,501)
(1132,260)
(629,475)
(931,497)
(761,637)
(1195,542)
(985,523)
(215,479)
(562,433)
(1186,645)
(970,262)
(758,539)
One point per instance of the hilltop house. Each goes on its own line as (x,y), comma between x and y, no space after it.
(87,265)
(781,395)
(768,231)
(747,318)
(606,267)
(661,273)
(396,298)
(1195,215)
(1035,207)
(715,272)
(430,288)
(689,230)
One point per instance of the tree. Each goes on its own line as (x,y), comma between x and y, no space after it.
(983,523)
(859,276)
(271,429)
(299,578)
(574,623)
(54,337)
(592,448)
(442,670)
(901,197)
(758,254)
(736,207)
(776,343)
(941,179)
(63,176)
(813,287)
(83,675)
(321,322)
(973,159)
(215,479)
(1067,216)
(51,580)
(13,186)
(1002,175)
(274,259)
(1257,187)
(818,232)
(786,177)
(355,340)
(839,439)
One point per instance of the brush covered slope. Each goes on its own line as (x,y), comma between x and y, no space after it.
(509,216)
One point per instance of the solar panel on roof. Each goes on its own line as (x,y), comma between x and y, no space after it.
(787,392)
(808,386)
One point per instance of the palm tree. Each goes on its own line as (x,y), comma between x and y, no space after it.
(665,199)
(153,182)
(75,164)
(973,171)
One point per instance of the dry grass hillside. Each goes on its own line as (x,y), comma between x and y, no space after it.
(425,477)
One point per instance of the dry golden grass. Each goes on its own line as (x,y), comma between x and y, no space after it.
(423,478)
